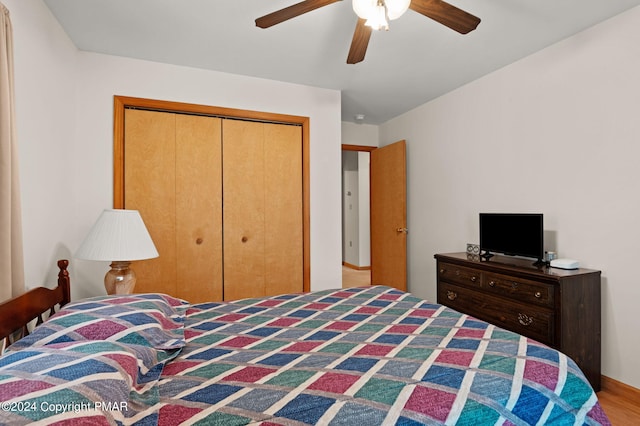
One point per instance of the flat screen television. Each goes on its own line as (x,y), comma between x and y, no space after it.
(513,234)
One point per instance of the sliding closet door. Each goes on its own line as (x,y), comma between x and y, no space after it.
(198,208)
(283,209)
(173,177)
(224,199)
(150,175)
(243,209)
(262,212)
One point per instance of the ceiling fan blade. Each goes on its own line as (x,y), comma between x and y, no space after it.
(446,14)
(359,43)
(292,11)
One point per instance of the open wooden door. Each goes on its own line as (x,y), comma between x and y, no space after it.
(389,216)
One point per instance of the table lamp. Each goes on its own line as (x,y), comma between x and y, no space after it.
(118,236)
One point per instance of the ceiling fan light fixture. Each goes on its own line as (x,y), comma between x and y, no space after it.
(378,19)
(376,12)
(364,8)
(396,8)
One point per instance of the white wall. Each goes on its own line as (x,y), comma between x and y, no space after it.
(356,215)
(101,76)
(65,127)
(350,208)
(45,61)
(364,209)
(363,135)
(558,133)
(360,134)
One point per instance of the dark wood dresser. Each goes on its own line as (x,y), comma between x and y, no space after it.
(560,308)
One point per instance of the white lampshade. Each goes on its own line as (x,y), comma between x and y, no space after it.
(118,235)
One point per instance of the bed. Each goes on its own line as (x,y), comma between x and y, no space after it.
(369,355)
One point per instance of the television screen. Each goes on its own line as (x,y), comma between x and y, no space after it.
(515,234)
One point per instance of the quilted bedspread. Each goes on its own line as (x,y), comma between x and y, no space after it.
(362,356)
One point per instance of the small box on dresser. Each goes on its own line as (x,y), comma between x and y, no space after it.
(560,308)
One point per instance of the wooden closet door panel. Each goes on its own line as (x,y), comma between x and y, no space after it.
(149,173)
(243,209)
(199,208)
(283,209)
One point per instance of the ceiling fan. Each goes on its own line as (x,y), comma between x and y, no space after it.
(373,14)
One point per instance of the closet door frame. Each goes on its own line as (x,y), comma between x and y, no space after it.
(121,103)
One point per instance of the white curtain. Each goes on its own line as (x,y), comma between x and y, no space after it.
(11,256)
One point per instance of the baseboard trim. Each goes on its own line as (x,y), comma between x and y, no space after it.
(357,268)
(619,389)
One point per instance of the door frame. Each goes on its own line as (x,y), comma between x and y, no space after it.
(120,103)
(369,149)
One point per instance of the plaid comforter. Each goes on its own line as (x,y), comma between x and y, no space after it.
(362,356)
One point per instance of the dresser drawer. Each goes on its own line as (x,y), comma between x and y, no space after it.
(518,289)
(529,320)
(558,307)
(459,274)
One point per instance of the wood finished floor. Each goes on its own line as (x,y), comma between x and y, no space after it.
(354,278)
(622,411)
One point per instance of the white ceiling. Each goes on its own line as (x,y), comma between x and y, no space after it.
(415,61)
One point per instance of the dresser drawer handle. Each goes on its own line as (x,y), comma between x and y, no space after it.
(492,284)
(452,295)
(442,270)
(474,279)
(538,295)
(525,319)
(514,285)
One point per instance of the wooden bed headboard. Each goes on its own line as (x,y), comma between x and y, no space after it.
(17,313)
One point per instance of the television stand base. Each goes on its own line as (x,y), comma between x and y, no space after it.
(487,255)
